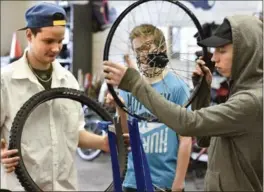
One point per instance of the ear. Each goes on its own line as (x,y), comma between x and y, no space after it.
(29,35)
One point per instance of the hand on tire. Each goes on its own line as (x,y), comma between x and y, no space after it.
(110,101)
(9,163)
(201,70)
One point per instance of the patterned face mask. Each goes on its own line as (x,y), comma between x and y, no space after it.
(151,62)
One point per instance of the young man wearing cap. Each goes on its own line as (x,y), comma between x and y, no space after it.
(54,129)
(234,129)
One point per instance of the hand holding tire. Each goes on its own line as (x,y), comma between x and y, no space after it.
(110,101)
(8,163)
(201,70)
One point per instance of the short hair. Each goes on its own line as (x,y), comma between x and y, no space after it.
(35,31)
(146,30)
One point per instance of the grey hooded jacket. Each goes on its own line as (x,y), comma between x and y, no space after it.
(235,127)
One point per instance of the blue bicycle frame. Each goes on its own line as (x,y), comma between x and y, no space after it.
(142,172)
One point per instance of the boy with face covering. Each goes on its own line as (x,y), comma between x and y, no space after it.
(234,129)
(169,157)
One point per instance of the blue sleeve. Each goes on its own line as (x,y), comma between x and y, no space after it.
(125,96)
(181,95)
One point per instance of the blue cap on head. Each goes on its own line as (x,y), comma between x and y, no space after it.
(45,15)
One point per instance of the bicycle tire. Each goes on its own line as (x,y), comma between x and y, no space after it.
(112,32)
(41,97)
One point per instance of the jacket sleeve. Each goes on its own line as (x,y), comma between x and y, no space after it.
(230,118)
(202,100)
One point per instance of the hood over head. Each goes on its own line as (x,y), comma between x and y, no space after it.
(247,66)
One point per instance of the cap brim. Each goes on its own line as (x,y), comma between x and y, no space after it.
(24,28)
(213,41)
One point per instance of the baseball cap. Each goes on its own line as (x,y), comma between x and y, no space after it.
(44,15)
(221,37)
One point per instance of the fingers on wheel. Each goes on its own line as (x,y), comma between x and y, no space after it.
(10,165)
(7,153)
(10,160)
(10,170)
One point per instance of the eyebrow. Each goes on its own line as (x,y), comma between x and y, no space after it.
(51,39)
(219,48)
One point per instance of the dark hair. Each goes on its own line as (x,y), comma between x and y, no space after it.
(208,30)
(35,31)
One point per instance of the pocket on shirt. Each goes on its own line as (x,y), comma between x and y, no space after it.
(212,181)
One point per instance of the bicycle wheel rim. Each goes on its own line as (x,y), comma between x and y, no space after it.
(113,30)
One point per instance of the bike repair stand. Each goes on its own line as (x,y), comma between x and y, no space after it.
(142,172)
(112,140)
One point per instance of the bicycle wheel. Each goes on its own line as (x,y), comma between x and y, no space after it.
(179,31)
(22,115)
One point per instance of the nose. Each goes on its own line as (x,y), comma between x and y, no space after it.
(56,48)
(213,57)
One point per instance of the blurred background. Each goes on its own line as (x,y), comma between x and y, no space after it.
(87,28)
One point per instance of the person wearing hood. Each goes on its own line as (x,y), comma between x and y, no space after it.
(233,130)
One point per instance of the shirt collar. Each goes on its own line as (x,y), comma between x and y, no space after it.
(22,70)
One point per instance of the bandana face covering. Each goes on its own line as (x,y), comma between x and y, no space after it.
(151,63)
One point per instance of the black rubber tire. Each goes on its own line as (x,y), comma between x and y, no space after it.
(41,97)
(112,32)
